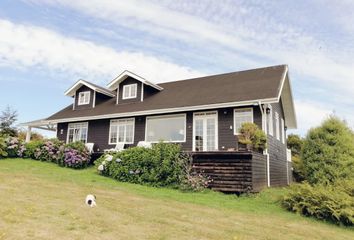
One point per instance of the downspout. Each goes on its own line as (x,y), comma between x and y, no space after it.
(264,128)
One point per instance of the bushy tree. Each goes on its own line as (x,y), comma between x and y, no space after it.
(7,118)
(295,143)
(328,152)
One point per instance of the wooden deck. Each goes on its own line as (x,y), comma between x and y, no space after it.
(232,172)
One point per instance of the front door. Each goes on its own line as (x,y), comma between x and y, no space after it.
(205,131)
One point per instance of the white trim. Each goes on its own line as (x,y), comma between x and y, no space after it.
(129,88)
(79,103)
(270,124)
(277,125)
(72,90)
(202,115)
(241,110)
(282,130)
(168,117)
(142,92)
(167,110)
(117,94)
(283,78)
(268,169)
(121,77)
(94,99)
(77,123)
(120,119)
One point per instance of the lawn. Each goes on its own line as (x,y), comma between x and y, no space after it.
(43,201)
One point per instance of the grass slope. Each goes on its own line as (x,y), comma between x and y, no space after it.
(42,201)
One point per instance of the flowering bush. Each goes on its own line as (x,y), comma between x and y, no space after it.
(15,148)
(163,165)
(73,155)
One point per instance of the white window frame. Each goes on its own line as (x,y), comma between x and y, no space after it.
(269,117)
(83,100)
(78,125)
(202,115)
(241,110)
(119,122)
(168,117)
(277,125)
(129,88)
(282,131)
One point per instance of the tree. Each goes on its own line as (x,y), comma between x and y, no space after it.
(7,118)
(328,152)
(295,143)
(252,136)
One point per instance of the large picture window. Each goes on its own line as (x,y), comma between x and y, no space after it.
(170,128)
(130,91)
(84,98)
(121,131)
(242,116)
(77,132)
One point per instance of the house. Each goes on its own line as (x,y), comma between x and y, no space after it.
(202,114)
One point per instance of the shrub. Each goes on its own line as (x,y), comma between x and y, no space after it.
(163,165)
(3,148)
(334,203)
(14,147)
(75,156)
(328,152)
(252,136)
(33,149)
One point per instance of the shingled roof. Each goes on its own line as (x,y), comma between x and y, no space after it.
(262,85)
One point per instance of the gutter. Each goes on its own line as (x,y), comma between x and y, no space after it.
(264,128)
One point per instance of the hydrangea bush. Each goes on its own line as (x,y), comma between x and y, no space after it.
(73,155)
(162,165)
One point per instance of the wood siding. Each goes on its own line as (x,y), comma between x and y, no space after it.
(86,106)
(128,81)
(259,171)
(98,130)
(277,153)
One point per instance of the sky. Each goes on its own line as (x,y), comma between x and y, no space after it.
(47,45)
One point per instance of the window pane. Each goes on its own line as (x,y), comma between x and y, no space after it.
(121,130)
(242,116)
(166,128)
(113,136)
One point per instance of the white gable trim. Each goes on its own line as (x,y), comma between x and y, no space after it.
(71,91)
(124,75)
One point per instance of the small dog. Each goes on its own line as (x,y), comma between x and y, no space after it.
(91,200)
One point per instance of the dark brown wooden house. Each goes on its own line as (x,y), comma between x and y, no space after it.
(202,114)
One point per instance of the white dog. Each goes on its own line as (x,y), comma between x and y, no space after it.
(91,200)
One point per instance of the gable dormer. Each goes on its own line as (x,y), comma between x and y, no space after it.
(87,95)
(130,88)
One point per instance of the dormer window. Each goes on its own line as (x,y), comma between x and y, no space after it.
(130,91)
(84,98)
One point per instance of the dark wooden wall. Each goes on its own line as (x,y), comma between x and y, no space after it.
(277,153)
(259,171)
(86,106)
(128,81)
(98,130)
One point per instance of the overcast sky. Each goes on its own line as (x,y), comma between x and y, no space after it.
(47,45)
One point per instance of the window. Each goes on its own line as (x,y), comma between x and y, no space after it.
(242,116)
(121,131)
(277,127)
(270,120)
(84,98)
(77,132)
(169,128)
(282,131)
(129,91)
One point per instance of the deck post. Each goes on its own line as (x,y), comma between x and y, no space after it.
(28,134)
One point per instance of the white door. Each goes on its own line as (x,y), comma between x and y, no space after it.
(205,131)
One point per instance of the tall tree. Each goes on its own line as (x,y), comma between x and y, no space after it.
(7,118)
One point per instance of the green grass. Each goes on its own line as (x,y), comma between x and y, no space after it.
(43,201)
